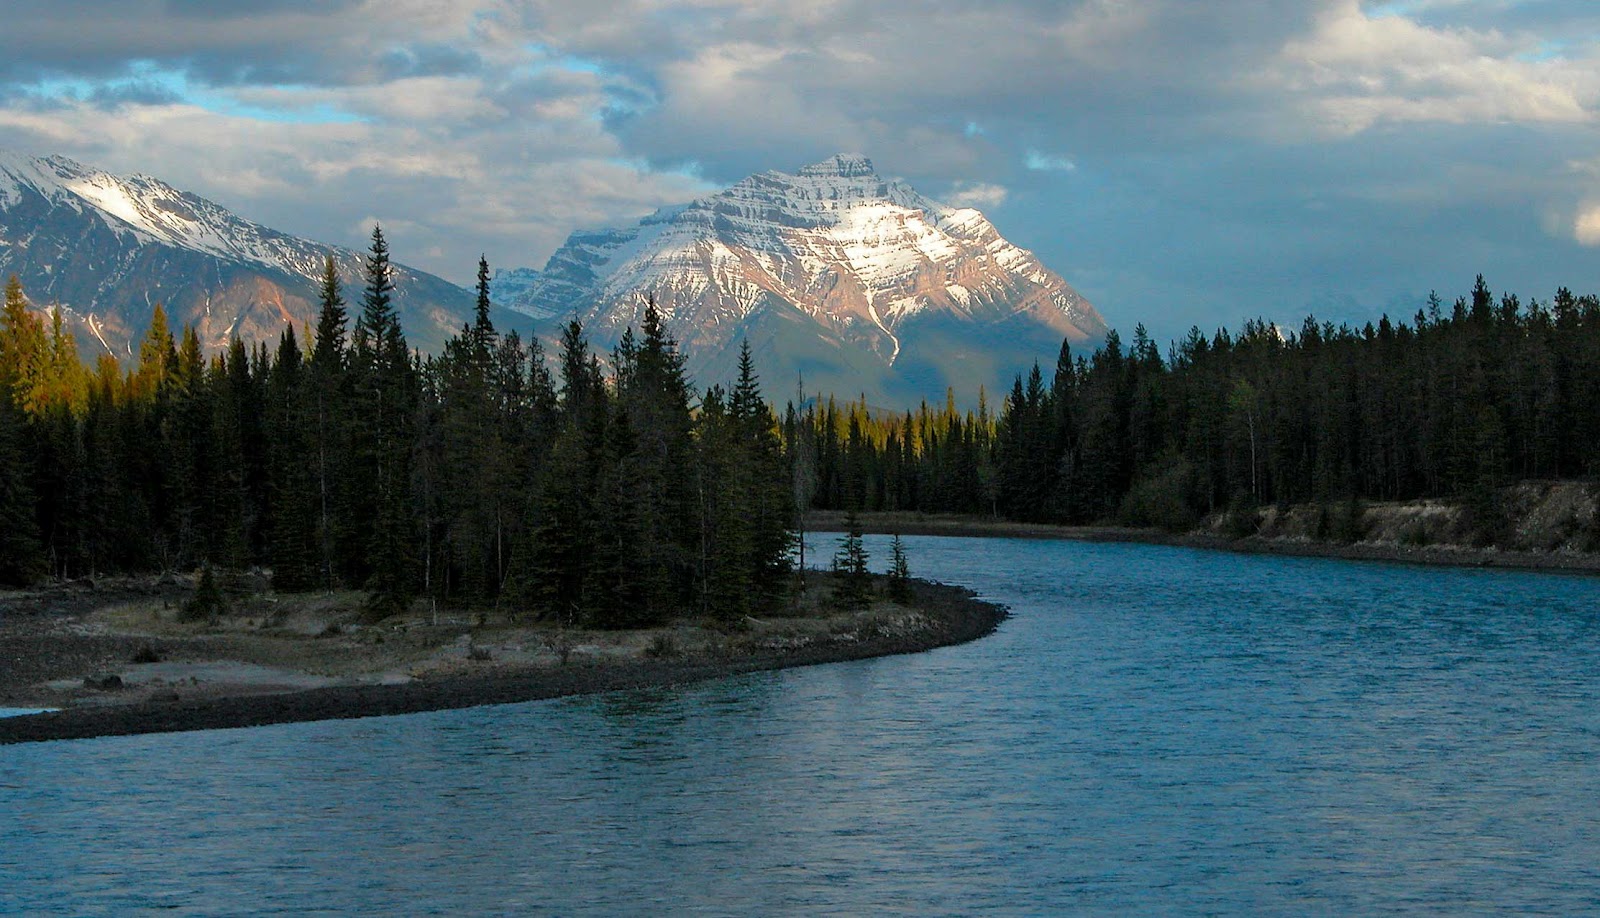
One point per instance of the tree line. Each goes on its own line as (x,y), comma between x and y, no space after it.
(1456,403)
(474,476)
(617,497)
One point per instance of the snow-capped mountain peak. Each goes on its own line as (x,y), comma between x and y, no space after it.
(107,248)
(859,254)
(832,271)
(153,211)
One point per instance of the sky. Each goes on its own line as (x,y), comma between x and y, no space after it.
(1180,163)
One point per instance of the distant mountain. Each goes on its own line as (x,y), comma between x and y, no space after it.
(859,283)
(107,248)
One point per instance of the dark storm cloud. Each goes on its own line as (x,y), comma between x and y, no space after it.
(226,42)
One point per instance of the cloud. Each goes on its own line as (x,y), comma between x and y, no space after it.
(1358,71)
(1227,158)
(1586,228)
(981,195)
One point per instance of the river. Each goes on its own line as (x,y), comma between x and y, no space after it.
(1154,730)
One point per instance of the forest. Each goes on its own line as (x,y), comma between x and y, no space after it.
(1455,404)
(477,476)
(614,493)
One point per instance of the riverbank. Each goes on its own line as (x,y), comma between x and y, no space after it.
(1275,541)
(116,660)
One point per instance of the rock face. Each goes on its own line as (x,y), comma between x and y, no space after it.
(107,248)
(859,283)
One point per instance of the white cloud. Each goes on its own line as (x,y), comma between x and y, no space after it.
(1358,71)
(1586,228)
(976,194)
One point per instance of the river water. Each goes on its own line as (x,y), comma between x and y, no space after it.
(1154,730)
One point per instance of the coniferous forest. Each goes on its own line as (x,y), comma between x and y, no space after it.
(1455,404)
(341,458)
(614,494)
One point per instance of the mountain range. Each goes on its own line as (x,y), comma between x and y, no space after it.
(107,248)
(853,283)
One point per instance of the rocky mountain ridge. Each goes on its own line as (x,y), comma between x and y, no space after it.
(107,248)
(833,273)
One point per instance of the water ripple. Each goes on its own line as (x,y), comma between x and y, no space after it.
(1154,730)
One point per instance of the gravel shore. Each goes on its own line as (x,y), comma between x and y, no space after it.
(1436,555)
(940,615)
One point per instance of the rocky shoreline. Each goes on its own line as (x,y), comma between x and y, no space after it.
(945,615)
(1432,555)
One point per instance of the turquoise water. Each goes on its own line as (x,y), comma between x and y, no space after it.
(1155,730)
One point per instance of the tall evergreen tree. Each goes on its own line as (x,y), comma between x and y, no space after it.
(293,522)
(852,583)
(22,558)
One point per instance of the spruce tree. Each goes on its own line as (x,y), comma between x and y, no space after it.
(722,484)
(852,583)
(208,602)
(483,334)
(22,560)
(327,385)
(768,494)
(614,591)
(899,572)
(293,521)
(654,390)
(383,380)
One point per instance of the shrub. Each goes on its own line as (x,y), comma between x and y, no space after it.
(1349,523)
(207,603)
(145,654)
(1242,518)
(662,646)
(1161,497)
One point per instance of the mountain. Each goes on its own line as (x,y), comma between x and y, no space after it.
(859,283)
(107,248)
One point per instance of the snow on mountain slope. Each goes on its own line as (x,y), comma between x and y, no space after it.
(107,248)
(154,211)
(867,259)
(506,286)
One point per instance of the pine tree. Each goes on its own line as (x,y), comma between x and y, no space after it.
(24,349)
(652,388)
(725,539)
(22,560)
(852,583)
(292,537)
(614,591)
(768,495)
(208,603)
(327,390)
(561,536)
(383,380)
(899,572)
(483,334)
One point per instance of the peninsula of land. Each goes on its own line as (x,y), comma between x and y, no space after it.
(115,657)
